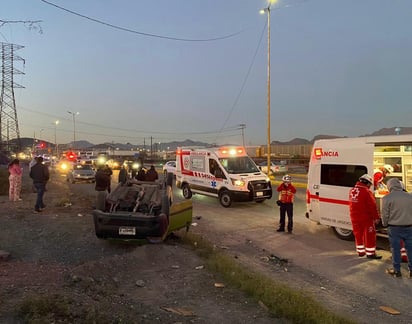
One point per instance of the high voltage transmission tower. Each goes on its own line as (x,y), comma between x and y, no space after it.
(9,126)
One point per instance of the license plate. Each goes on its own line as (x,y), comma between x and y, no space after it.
(259,193)
(127,230)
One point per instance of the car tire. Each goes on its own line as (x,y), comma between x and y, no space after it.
(187,193)
(343,234)
(225,198)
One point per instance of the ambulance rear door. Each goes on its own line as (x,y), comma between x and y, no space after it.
(342,163)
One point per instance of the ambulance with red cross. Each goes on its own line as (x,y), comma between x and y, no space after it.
(226,172)
(336,165)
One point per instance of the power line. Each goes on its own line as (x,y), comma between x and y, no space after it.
(138,32)
(145,132)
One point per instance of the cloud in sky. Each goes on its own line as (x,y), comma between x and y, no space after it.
(337,67)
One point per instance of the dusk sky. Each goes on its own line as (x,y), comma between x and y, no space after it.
(191,69)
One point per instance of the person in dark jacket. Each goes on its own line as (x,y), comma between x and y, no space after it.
(40,175)
(102,186)
(141,175)
(151,174)
(102,179)
(123,177)
(109,171)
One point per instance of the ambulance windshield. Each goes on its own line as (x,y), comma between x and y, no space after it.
(237,165)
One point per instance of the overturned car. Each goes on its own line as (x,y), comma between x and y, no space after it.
(140,210)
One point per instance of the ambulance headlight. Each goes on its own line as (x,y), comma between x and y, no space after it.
(237,182)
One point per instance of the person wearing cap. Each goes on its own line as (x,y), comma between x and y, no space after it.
(397,216)
(286,196)
(379,175)
(364,216)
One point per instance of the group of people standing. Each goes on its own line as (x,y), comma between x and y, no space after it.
(39,174)
(396,215)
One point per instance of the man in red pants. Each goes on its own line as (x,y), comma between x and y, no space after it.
(364,215)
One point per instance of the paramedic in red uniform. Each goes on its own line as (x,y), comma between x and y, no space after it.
(380,174)
(286,195)
(364,215)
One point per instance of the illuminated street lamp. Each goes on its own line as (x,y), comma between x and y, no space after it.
(267,11)
(74,114)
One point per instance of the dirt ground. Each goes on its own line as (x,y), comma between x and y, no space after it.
(55,258)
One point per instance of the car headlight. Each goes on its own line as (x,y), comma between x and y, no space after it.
(238,182)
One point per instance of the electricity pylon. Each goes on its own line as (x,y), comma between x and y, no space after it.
(9,126)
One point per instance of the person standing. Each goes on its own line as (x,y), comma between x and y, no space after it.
(151,174)
(15,176)
(109,172)
(141,175)
(40,175)
(397,216)
(102,185)
(364,216)
(123,175)
(286,197)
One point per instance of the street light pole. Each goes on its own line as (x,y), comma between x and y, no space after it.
(267,11)
(74,114)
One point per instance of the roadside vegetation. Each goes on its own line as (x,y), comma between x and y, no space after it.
(277,298)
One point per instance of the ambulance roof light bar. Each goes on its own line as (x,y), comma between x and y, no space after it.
(231,150)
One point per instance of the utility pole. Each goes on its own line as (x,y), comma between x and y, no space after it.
(242,127)
(9,126)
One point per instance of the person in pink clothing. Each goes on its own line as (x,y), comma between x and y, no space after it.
(15,175)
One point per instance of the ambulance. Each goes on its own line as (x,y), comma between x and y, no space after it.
(227,173)
(336,165)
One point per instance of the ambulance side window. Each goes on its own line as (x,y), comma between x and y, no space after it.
(215,169)
(341,174)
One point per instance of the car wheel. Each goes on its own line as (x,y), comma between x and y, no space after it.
(225,199)
(187,193)
(343,234)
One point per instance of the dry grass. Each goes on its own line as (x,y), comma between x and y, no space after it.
(280,300)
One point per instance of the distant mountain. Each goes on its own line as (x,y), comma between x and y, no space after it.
(318,137)
(295,141)
(392,131)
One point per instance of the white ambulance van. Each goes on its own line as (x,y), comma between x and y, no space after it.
(227,173)
(336,165)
